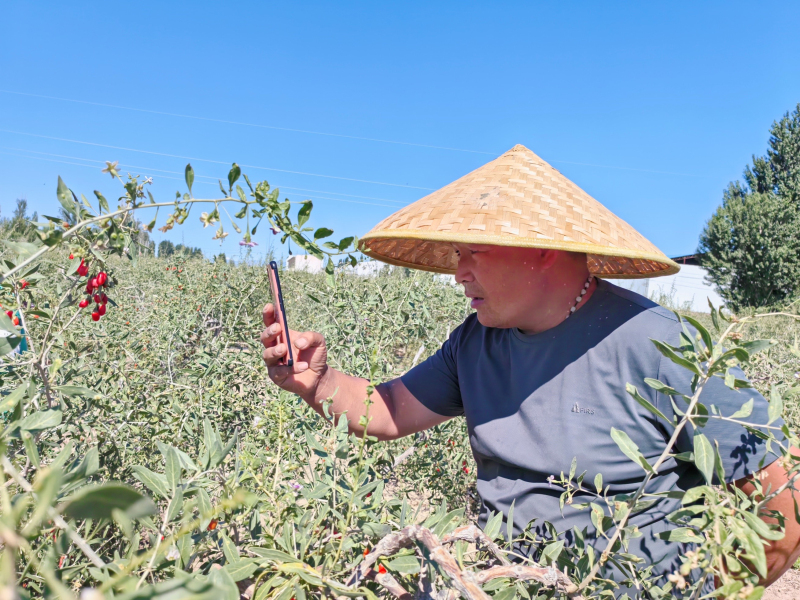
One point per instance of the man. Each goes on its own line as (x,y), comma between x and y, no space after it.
(539,370)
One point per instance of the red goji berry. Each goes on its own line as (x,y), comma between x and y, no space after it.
(366,551)
(101,278)
(96,298)
(381,569)
(212,525)
(101,309)
(95,316)
(23,283)
(93,282)
(16,321)
(71,256)
(466,470)
(9,314)
(84,303)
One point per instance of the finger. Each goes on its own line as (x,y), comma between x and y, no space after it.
(309,339)
(273,354)
(268,314)
(269,334)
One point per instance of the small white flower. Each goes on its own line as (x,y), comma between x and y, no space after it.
(256,421)
(148,180)
(174,553)
(91,594)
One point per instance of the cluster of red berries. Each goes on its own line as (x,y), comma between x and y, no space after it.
(94,291)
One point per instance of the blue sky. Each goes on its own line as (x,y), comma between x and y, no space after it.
(651,108)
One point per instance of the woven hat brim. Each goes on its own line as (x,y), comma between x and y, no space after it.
(432,251)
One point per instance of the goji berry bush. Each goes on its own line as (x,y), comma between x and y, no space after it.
(146,453)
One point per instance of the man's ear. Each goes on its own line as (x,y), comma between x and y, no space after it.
(548,257)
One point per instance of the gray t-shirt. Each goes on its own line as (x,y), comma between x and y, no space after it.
(533,402)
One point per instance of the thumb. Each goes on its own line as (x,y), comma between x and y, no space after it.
(309,339)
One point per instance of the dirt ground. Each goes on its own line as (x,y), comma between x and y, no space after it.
(786,588)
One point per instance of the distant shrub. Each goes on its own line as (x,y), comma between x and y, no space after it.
(751,245)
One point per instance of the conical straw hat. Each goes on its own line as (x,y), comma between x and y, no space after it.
(515,200)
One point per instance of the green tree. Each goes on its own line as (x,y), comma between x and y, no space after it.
(166,248)
(751,244)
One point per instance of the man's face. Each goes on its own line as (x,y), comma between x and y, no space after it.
(505,283)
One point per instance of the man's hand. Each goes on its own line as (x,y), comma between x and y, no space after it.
(310,358)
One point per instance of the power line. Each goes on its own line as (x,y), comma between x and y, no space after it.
(197,175)
(219,162)
(169,114)
(180,179)
(353,137)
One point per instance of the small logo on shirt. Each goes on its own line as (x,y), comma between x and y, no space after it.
(586,411)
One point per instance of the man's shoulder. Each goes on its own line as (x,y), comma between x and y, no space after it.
(645,313)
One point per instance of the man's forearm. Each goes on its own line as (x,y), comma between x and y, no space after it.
(347,394)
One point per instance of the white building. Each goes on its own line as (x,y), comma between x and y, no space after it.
(368,268)
(686,290)
(304,262)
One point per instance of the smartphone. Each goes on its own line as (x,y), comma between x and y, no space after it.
(280,314)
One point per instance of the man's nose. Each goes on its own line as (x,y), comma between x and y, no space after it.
(463,273)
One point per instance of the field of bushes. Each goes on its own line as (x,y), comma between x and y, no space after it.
(146,453)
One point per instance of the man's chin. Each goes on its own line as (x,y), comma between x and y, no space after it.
(488,319)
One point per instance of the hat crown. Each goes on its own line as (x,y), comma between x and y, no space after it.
(518,199)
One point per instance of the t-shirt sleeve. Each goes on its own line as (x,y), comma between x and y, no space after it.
(434,382)
(742,452)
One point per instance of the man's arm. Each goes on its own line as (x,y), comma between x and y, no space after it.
(394,411)
(781,554)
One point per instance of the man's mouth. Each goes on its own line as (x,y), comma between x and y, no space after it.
(476,301)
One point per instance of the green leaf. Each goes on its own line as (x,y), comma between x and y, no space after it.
(408,565)
(345,242)
(229,549)
(552,551)
(322,232)
(9,402)
(102,201)
(662,387)
(272,555)
(758,346)
(701,330)
(242,569)
(745,411)
(493,525)
(46,486)
(172,470)
(155,482)
(704,456)
(233,175)
(97,502)
(43,419)
(678,360)
(761,528)
(241,194)
(304,213)
(629,448)
(681,535)
(65,197)
(631,389)
(714,317)
(76,390)
(189,174)
(598,483)
(9,343)
(204,507)
(775,410)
